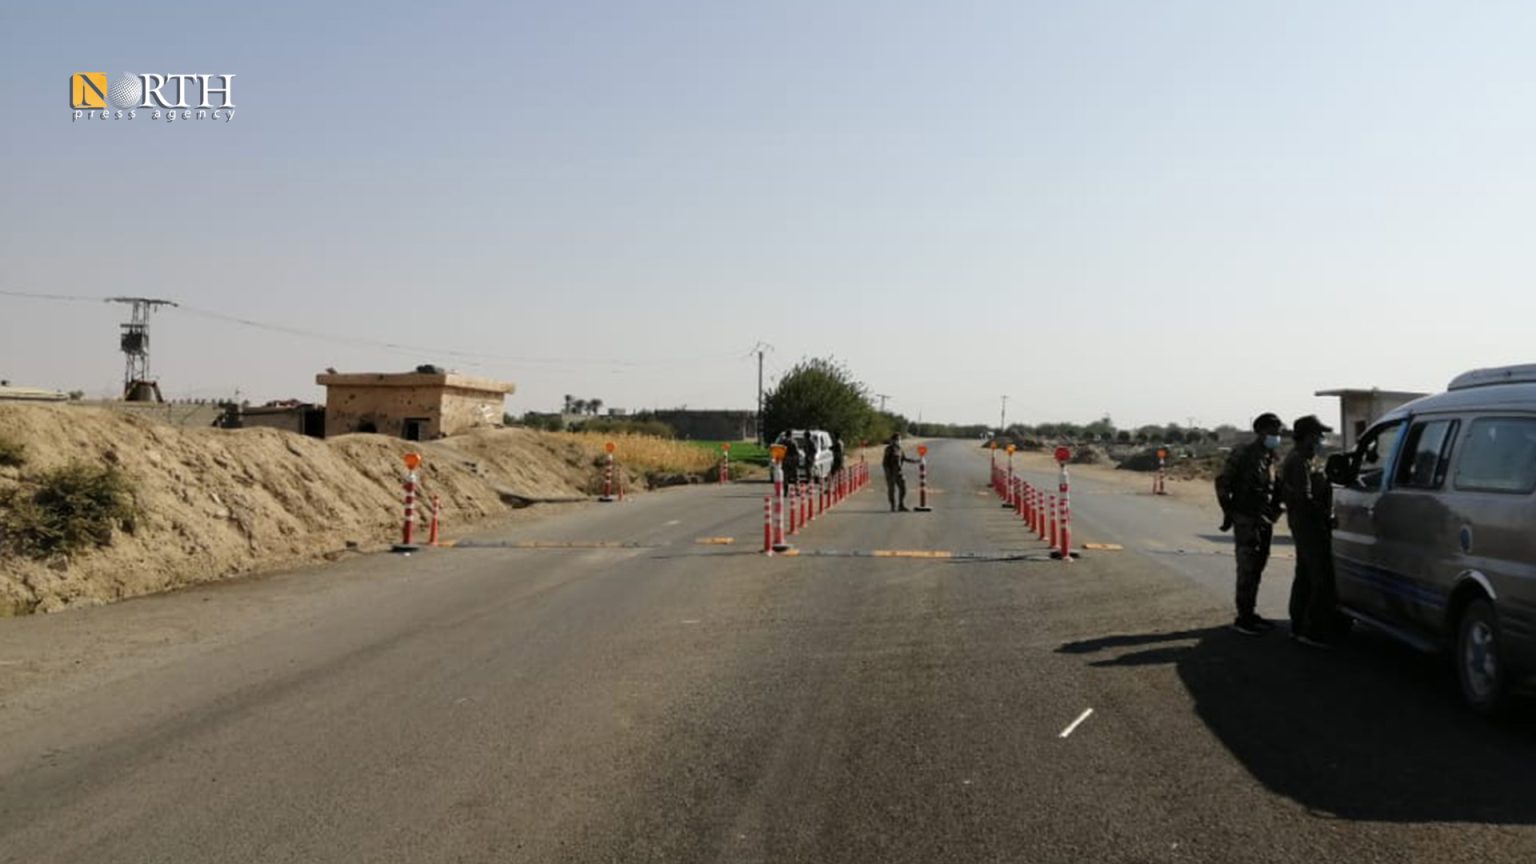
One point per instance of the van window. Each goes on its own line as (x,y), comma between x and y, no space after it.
(1499,456)
(1375,451)
(1426,455)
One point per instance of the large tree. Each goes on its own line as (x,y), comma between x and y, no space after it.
(821,393)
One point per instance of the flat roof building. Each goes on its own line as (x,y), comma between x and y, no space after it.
(1359,408)
(416,406)
(29,394)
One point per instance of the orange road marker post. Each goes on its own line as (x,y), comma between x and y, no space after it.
(922,479)
(412,462)
(607,496)
(780,541)
(1007,489)
(1064,544)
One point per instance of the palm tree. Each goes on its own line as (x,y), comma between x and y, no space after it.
(569,401)
(595,406)
(578,406)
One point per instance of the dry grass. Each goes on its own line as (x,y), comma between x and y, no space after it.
(13,453)
(646,454)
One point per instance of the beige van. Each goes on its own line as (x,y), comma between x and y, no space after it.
(1436,536)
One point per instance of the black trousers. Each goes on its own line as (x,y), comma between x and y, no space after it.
(896,489)
(1314,598)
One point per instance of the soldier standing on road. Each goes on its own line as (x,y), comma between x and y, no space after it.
(1309,511)
(837,455)
(791,461)
(894,481)
(1247,493)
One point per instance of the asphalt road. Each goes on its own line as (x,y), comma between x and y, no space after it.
(670,701)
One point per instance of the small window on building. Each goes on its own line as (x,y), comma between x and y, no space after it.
(1499,456)
(1426,454)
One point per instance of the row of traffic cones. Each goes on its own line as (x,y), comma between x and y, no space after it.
(795,505)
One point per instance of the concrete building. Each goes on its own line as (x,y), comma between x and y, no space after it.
(300,418)
(415,406)
(29,394)
(1358,409)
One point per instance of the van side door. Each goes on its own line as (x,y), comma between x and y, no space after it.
(1357,553)
(1493,482)
(1416,527)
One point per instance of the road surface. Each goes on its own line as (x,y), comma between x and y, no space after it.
(656,699)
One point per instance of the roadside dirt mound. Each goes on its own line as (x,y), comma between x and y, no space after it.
(215,503)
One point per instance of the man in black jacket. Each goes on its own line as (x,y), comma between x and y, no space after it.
(791,459)
(1249,500)
(1309,511)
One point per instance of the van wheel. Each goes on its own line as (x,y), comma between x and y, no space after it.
(1479,665)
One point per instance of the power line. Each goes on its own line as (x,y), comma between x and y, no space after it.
(385,345)
(73,298)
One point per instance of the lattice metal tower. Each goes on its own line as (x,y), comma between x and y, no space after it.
(138,386)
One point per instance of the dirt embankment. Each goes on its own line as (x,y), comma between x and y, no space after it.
(215,503)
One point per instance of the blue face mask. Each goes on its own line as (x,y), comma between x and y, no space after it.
(1271,442)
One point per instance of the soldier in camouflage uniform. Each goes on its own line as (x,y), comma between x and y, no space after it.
(1249,500)
(895,483)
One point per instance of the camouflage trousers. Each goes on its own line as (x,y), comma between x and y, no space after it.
(896,489)
(1252,536)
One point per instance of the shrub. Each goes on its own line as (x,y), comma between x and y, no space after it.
(546,422)
(13,453)
(1141,460)
(65,510)
(1087,455)
(649,428)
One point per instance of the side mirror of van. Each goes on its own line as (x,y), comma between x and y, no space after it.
(1341,469)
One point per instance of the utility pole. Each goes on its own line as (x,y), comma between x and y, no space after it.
(1002,420)
(759,349)
(883,397)
(138,386)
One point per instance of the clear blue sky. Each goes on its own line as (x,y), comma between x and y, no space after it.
(1161,210)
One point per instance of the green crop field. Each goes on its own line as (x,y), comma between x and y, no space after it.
(746,452)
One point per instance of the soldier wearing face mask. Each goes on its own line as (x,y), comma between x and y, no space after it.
(1249,500)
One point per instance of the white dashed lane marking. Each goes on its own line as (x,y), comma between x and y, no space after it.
(1076,723)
